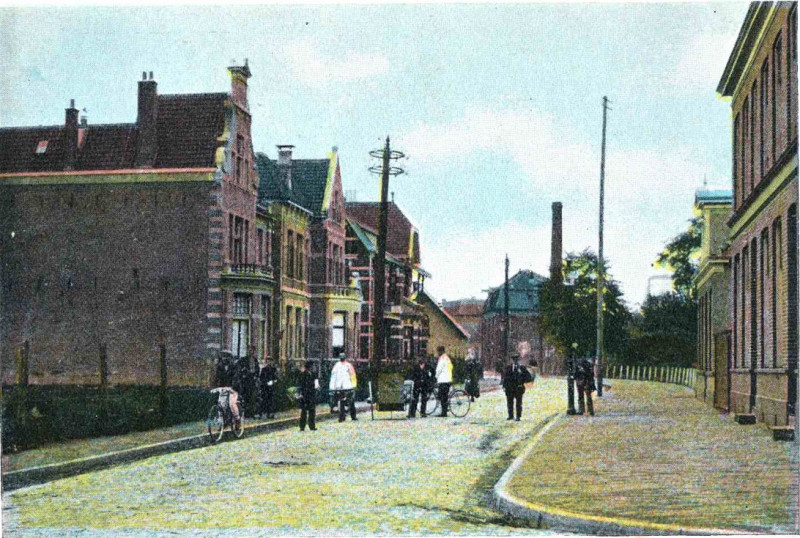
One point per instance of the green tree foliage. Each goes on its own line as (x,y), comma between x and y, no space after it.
(569,311)
(664,333)
(680,257)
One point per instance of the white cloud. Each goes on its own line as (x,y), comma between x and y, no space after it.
(702,61)
(314,67)
(648,199)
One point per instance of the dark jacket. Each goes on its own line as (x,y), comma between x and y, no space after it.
(307,390)
(423,379)
(268,373)
(224,374)
(515,377)
(584,373)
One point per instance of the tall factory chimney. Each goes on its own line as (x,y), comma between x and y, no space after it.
(555,245)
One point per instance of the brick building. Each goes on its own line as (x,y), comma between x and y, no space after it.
(467,312)
(334,303)
(407,324)
(760,79)
(524,321)
(711,282)
(129,237)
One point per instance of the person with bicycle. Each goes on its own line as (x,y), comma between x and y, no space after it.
(444,378)
(268,378)
(423,378)
(226,377)
(342,384)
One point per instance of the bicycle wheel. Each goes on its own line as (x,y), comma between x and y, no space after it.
(238,427)
(458,403)
(432,404)
(216,423)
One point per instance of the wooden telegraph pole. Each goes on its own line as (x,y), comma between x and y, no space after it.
(506,317)
(600,264)
(378,323)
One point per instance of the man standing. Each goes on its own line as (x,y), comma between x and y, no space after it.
(308,396)
(444,377)
(342,386)
(474,374)
(422,376)
(584,379)
(268,377)
(514,378)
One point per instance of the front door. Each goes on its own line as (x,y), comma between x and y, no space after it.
(721,370)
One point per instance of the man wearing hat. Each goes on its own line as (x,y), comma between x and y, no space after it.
(514,378)
(308,396)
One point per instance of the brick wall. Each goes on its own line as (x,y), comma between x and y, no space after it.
(120,265)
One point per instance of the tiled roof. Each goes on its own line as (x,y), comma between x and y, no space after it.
(457,326)
(309,178)
(464,307)
(720,196)
(187,131)
(523,294)
(399,228)
(271,187)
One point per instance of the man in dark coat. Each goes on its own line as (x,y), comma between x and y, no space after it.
(474,374)
(584,379)
(308,396)
(423,378)
(268,377)
(514,378)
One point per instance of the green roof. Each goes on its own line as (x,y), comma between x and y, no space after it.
(523,294)
(309,181)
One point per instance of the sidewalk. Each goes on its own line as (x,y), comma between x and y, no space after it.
(654,460)
(58,460)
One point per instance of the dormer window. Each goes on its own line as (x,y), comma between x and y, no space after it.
(41,147)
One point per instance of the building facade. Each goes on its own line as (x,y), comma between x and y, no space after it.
(444,330)
(407,324)
(524,322)
(711,283)
(760,80)
(121,240)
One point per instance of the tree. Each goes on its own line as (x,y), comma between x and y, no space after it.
(569,311)
(665,332)
(680,257)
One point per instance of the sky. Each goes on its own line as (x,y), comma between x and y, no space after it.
(497,108)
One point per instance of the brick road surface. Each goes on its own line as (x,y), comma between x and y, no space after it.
(657,454)
(421,476)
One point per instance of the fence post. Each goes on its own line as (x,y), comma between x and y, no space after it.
(163,402)
(103,419)
(23,363)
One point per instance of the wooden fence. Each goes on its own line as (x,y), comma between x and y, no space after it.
(659,374)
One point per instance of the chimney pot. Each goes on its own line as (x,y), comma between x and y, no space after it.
(144,75)
(285,164)
(151,75)
(72,103)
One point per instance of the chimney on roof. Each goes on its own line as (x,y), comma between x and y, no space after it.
(146,121)
(555,245)
(285,164)
(71,136)
(239,76)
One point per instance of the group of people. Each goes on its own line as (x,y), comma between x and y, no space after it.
(425,378)
(256,385)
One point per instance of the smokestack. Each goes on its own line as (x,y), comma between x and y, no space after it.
(555,245)
(285,164)
(146,120)
(71,136)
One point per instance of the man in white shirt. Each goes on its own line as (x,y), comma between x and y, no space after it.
(342,385)
(444,378)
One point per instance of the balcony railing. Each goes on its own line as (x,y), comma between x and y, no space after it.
(248,272)
(335,290)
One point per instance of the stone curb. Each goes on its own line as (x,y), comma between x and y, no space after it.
(47,473)
(563,520)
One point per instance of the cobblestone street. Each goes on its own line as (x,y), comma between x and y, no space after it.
(421,476)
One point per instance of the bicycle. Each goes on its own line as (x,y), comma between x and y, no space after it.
(220,416)
(457,403)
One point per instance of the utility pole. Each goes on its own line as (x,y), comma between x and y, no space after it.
(378,323)
(600,263)
(506,317)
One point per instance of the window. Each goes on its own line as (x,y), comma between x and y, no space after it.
(735,309)
(239,151)
(41,147)
(752,136)
(240,325)
(289,334)
(774,306)
(338,331)
(237,239)
(763,256)
(260,246)
(264,340)
(737,162)
(300,256)
(290,254)
(762,116)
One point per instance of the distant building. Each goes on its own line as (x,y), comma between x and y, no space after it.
(444,330)
(468,314)
(760,79)
(711,282)
(119,239)
(524,320)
